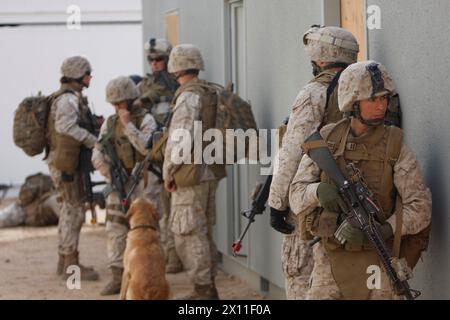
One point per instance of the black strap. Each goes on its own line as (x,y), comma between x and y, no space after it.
(144,226)
(331,87)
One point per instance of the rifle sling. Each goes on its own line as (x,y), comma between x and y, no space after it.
(398,227)
(310,145)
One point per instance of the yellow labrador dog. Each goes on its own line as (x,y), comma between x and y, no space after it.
(144,276)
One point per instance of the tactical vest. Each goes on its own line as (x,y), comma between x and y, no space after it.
(156,95)
(124,150)
(66,149)
(375,155)
(189,173)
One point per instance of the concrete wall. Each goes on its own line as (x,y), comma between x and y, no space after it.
(276,69)
(413,44)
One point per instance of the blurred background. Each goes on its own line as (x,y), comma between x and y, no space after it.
(35,38)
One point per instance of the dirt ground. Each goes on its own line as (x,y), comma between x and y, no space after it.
(28,258)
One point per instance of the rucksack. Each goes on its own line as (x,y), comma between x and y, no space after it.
(231,112)
(34,187)
(30,121)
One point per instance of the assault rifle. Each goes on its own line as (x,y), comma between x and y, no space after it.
(360,211)
(85,168)
(258,207)
(120,180)
(119,177)
(258,204)
(138,171)
(92,123)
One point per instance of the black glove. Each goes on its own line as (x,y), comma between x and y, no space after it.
(278,221)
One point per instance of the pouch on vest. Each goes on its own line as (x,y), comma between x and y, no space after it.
(125,153)
(188,175)
(159,147)
(66,153)
(322,224)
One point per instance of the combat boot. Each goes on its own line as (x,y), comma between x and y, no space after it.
(86,273)
(202,292)
(113,287)
(60,265)
(174,264)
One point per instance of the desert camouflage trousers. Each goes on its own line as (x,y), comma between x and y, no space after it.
(167,237)
(193,215)
(116,222)
(297,263)
(324,287)
(72,214)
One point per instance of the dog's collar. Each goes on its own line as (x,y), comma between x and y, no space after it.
(144,226)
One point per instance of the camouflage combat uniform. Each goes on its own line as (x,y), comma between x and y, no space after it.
(149,188)
(337,48)
(390,171)
(193,209)
(156,93)
(416,200)
(66,112)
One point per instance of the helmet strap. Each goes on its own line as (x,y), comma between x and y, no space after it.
(371,123)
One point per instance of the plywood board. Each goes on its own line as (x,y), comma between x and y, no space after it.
(172,28)
(353,19)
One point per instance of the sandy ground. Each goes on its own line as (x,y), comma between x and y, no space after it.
(28,258)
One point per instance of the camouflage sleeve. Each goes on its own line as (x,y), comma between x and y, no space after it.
(305,118)
(416,197)
(100,160)
(185,112)
(303,190)
(66,118)
(139,137)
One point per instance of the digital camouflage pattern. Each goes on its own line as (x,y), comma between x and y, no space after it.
(330,44)
(193,215)
(185,57)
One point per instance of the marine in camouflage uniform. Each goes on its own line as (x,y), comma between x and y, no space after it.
(37,204)
(156,93)
(389,168)
(193,207)
(126,134)
(66,137)
(330,49)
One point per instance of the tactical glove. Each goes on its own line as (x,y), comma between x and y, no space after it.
(347,233)
(329,197)
(278,221)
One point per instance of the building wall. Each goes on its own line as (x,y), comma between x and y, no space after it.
(276,68)
(413,44)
